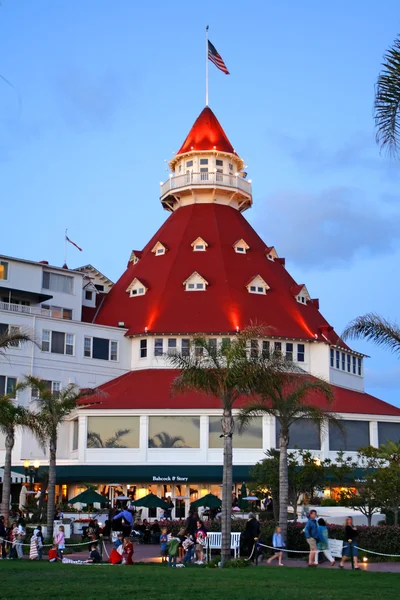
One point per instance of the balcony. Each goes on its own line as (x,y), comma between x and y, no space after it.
(27,310)
(178,182)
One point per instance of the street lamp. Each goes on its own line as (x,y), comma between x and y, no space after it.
(31,471)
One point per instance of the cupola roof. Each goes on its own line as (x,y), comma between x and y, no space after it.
(206,134)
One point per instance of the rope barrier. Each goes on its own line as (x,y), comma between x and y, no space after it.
(377,553)
(284,549)
(51,545)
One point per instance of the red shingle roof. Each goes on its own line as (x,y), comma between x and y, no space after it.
(150,389)
(206,134)
(226,304)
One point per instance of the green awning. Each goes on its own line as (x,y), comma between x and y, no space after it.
(143,473)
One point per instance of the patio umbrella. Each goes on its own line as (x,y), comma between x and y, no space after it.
(88,497)
(209,500)
(151,501)
(242,495)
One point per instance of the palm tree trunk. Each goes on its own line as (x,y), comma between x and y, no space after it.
(227,430)
(5,498)
(51,498)
(283,481)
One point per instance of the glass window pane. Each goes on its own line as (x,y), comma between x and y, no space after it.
(2,385)
(11,384)
(303,434)
(185,348)
(158,347)
(300,352)
(113,350)
(87,350)
(75,434)
(355,435)
(251,437)
(67,313)
(57,342)
(69,344)
(113,432)
(3,269)
(143,348)
(388,431)
(174,432)
(100,348)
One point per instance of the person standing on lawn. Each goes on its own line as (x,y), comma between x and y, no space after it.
(164,545)
(251,532)
(278,544)
(128,551)
(173,545)
(349,546)
(323,544)
(311,533)
(60,541)
(201,538)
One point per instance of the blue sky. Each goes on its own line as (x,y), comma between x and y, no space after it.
(105,92)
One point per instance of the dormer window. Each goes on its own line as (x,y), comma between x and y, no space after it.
(195,283)
(300,292)
(135,256)
(241,247)
(271,253)
(136,288)
(257,285)
(159,249)
(199,245)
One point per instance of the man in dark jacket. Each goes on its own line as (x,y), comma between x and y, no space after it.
(251,531)
(311,533)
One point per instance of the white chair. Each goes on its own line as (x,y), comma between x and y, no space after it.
(214,542)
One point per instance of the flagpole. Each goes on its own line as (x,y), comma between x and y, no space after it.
(207,65)
(65,247)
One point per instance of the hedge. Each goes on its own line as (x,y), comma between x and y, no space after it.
(385,539)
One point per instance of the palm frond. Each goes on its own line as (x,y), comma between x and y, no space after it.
(376,329)
(12,338)
(387,101)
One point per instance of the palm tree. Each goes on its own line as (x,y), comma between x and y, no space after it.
(376,329)
(222,371)
(387,100)
(288,395)
(12,417)
(12,337)
(164,440)
(51,412)
(94,440)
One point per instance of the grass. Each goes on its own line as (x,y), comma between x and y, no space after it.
(154,582)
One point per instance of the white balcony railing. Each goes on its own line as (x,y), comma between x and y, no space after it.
(205,179)
(22,308)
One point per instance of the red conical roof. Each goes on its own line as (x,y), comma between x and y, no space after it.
(206,134)
(226,304)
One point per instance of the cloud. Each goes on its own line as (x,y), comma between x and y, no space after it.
(359,151)
(87,101)
(330,228)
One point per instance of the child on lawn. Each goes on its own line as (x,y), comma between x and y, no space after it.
(188,546)
(164,545)
(173,545)
(278,544)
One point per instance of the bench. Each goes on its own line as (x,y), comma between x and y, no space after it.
(214,539)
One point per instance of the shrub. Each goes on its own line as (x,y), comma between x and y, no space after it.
(329,502)
(237,563)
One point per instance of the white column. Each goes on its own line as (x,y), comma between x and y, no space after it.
(269,432)
(143,437)
(204,439)
(82,437)
(373,434)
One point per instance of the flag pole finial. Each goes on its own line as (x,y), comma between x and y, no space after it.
(207,65)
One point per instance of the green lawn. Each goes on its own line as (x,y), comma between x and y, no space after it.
(155,582)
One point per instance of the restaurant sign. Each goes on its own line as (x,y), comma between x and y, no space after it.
(170,479)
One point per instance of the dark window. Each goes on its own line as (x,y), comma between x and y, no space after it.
(189,163)
(99,288)
(7,385)
(3,328)
(289,351)
(300,352)
(260,290)
(219,163)
(343,361)
(212,344)
(204,161)
(355,434)
(88,295)
(254,348)
(332,357)
(172,346)
(359,365)
(57,342)
(265,349)
(185,347)
(354,365)
(302,434)
(100,348)
(158,347)
(388,431)
(143,348)
(278,347)
(253,288)
(337,359)
(348,363)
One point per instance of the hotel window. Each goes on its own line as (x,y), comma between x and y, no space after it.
(185,347)
(198,350)
(143,348)
(174,432)
(204,161)
(343,361)
(351,436)
(212,345)
(337,359)
(289,351)
(189,163)
(354,365)
(171,346)
(3,270)
(100,348)
(303,433)
(99,287)
(226,343)
(265,349)
(230,167)
(160,251)
(88,295)
(359,366)
(7,385)
(57,342)
(278,347)
(158,347)
(57,283)
(138,291)
(52,386)
(219,175)
(57,312)
(253,348)
(249,437)
(388,432)
(204,173)
(348,363)
(332,357)
(219,163)
(113,432)
(300,352)
(10,329)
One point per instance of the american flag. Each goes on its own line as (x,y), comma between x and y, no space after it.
(216,58)
(73,243)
